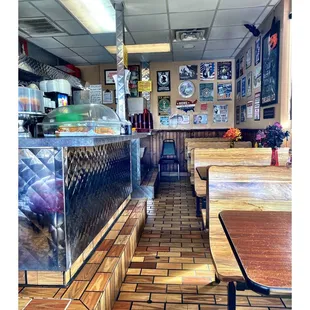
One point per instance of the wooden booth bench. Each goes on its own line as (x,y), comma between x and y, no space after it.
(233,157)
(245,188)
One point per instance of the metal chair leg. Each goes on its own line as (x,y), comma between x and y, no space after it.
(231,296)
(159,171)
(179,172)
(198,212)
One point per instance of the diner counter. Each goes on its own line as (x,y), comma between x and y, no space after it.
(69,189)
(76,141)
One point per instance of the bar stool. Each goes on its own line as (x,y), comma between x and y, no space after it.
(168,155)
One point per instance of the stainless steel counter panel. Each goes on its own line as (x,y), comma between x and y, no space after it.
(66,196)
(75,141)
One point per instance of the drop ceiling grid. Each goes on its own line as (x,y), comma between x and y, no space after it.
(141,35)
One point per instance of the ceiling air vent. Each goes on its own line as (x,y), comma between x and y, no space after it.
(190,35)
(40,26)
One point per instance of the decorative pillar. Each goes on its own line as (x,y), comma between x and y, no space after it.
(146,77)
(120,35)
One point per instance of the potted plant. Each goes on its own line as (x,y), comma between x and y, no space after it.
(233,134)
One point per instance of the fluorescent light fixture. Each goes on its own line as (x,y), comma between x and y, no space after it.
(97,16)
(143,48)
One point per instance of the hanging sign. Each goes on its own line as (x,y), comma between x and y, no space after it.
(186,105)
(145,86)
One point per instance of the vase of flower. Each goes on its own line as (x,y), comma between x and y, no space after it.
(274,157)
(232,144)
(233,134)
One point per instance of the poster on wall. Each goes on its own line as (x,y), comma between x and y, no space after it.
(107,96)
(249,109)
(133,80)
(249,84)
(207,71)
(224,91)
(163,81)
(257,107)
(95,93)
(237,68)
(238,114)
(183,119)
(257,77)
(201,119)
(239,90)
(270,65)
(241,72)
(243,86)
(206,92)
(186,105)
(204,107)
(224,71)
(188,72)
(243,113)
(220,113)
(248,58)
(164,105)
(164,120)
(257,51)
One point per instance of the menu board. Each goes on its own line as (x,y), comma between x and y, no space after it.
(270,65)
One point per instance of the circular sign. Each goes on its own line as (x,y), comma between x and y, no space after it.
(186,89)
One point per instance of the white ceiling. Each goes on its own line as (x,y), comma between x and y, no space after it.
(153,21)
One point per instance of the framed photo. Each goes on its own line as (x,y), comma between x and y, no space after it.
(249,84)
(206,92)
(248,58)
(108,77)
(237,68)
(224,70)
(257,107)
(224,91)
(257,77)
(188,72)
(257,51)
(207,71)
(239,90)
(164,106)
(249,109)
(243,113)
(163,81)
(201,119)
(241,71)
(220,113)
(270,66)
(243,86)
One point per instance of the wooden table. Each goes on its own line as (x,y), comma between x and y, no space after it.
(261,242)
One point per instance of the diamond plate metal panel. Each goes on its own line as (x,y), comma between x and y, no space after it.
(31,65)
(97,181)
(146,77)
(41,210)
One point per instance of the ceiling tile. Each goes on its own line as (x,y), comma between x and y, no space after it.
(151,37)
(235,4)
(198,46)
(78,41)
(191,20)
(214,54)
(100,59)
(138,7)
(232,32)
(52,9)
(178,56)
(264,15)
(76,60)
(108,39)
(237,16)
(191,6)
(25,9)
(222,44)
(71,27)
(61,52)
(91,51)
(46,42)
(157,57)
(147,22)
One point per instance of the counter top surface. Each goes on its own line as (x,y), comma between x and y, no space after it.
(75,141)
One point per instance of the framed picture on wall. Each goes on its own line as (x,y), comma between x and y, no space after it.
(163,81)
(188,72)
(207,71)
(224,70)
(133,81)
(249,83)
(270,65)
(248,58)
(237,68)
(224,91)
(108,77)
(241,66)
(243,86)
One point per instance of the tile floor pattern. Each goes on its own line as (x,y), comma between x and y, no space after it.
(171,267)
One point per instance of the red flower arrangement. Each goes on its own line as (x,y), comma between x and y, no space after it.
(234,134)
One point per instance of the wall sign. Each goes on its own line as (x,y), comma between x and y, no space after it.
(239,90)
(241,72)
(224,71)
(243,113)
(186,105)
(145,86)
(107,96)
(248,58)
(270,65)
(257,51)
(204,107)
(257,77)
(257,107)
(224,91)
(207,71)
(249,109)
(249,84)
(95,93)
(237,68)
(163,81)
(243,86)
(269,113)
(164,120)
(164,106)
(206,92)
(201,119)
(220,113)
(186,89)
(188,72)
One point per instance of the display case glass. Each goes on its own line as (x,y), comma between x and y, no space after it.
(82,120)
